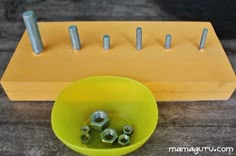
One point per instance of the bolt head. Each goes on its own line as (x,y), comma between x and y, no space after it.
(124,140)
(99,120)
(109,135)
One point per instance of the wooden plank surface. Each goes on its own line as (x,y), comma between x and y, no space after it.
(25,126)
(178,74)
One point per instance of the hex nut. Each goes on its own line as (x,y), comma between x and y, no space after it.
(85,129)
(99,120)
(109,135)
(124,140)
(85,138)
(128,130)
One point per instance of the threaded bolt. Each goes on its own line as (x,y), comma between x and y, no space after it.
(203,38)
(33,31)
(106,42)
(138,38)
(74,37)
(168,41)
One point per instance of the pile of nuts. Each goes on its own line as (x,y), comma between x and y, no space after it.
(100,121)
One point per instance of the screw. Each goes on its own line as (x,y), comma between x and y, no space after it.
(138,38)
(33,31)
(203,38)
(168,41)
(74,37)
(106,42)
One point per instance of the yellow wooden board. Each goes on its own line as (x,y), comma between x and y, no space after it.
(181,73)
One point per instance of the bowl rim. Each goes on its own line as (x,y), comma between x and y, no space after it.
(131,146)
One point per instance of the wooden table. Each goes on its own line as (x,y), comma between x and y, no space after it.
(25,126)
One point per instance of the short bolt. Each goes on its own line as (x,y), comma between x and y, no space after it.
(106,42)
(74,37)
(168,41)
(138,38)
(203,38)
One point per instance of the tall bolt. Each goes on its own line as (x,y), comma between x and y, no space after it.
(74,37)
(33,31)
(203,38)
(106,42)
(168,41)
(138,38)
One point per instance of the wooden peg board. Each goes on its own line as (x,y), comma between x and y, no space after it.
(181,73)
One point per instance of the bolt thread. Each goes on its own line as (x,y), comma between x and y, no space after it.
(33,31)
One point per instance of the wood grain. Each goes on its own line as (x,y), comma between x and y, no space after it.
(181,74)
(19,139)
(25,126)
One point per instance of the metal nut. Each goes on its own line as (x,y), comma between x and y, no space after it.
(99,120)
(128,130)
(109,135)
(85,138)
(85,129)
(124,140)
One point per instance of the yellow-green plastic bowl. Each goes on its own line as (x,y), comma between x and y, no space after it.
(125,100)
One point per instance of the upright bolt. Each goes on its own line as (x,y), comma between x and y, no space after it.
(203,38)
(74,37)
(138,38)
(168,41)
(33,31)
(106,42)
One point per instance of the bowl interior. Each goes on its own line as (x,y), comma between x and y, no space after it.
(126,101)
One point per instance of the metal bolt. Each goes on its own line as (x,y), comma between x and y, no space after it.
(168,41)
(33,31)
(138,38)
(74,37)
(106,42)
(203,38)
